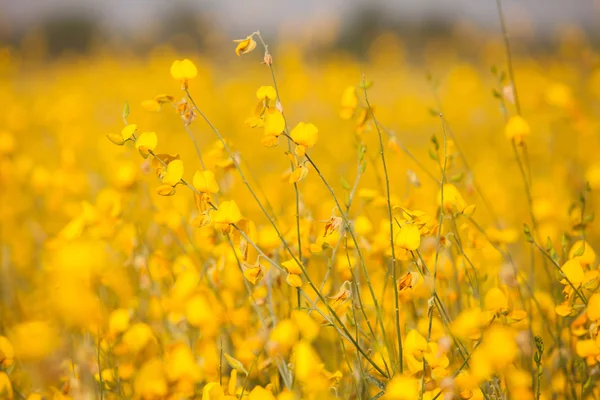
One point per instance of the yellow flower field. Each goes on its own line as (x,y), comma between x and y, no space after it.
(260,224)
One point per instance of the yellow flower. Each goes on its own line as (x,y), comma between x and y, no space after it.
(305,136)
(180,364)
(128,131)
(266,93)
(274,123)
(165,190)
(402,388)
(292,267)
(593,308)
(516,129)
(573,272)
(7,353)
(293,280)
(33,340)
(298,174)
(589,255)
(453,200)
(306,361)
(6,390)
(409,237)
(245,45)
(174,173)
(253,274)
(496,301)
(349,102)
(183,70)
(227,213)
(145,143)
(205,182)
(150,381)
(118,321)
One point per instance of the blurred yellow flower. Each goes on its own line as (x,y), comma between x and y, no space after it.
(517,129)
(7,353)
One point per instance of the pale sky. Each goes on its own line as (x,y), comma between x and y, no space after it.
(240,16)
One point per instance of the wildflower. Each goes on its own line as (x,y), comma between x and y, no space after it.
(593,308)
(6,390)
(146,143)
(349,102)
(587,257)
(150,381)
(118,321)
(305,136)
(342,295)
(496,301)
(402,388)
(33,340)
(267,115)
(298,174)
(228,213)
(205,182)
(333,224)
(283,337)
(246,45)
(7,353)
(409,237)
(183,71)
(573,273)
(174,173)
(517,129)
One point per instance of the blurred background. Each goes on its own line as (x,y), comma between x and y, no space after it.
(136,25)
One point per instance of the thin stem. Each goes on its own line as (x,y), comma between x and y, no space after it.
(391,225)
(360,256)
(509,61)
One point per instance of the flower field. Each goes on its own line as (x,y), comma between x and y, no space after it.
(265,224)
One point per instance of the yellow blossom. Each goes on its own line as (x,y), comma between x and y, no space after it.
(409,237)
(245,45)
(145,143)
(205,182)
(227,213)
(517,129)
(183,70)
(305,135)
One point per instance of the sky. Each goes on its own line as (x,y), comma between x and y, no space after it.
(240,16)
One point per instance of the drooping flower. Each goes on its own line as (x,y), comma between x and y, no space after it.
(246,45)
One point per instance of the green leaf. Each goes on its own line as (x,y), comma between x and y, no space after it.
(235,364)
(548,244)
(433,155)
(345,183)
(527,233)
(365,84)
(363,167)
(457,177)
(580,250)
(435,142)
(126,110)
